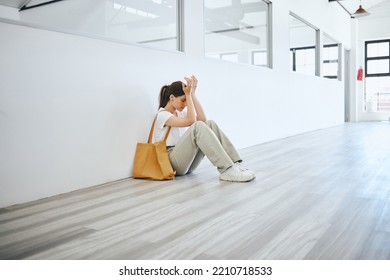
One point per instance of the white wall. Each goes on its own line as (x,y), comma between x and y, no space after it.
(370,29)
(73,108)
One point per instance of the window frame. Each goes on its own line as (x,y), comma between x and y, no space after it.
(294,50)
(337,45)
(367,59)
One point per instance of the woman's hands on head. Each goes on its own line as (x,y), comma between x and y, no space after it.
(187,88)
(192,83)
(195,111)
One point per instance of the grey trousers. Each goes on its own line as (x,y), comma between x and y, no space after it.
(202,139)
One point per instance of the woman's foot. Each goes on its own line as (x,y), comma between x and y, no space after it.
(235,174)
(243,168)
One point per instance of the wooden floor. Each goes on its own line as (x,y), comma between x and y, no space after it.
(319,195)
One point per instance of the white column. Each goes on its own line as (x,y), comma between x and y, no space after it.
(353,94)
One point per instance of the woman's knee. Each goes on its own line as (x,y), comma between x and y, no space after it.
(210,122)
(199,125)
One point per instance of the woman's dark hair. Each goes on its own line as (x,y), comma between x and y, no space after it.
(176,88)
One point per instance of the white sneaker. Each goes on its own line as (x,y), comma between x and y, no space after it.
(235,174)
(243,168)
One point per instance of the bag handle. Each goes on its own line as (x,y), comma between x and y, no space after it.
(152,129)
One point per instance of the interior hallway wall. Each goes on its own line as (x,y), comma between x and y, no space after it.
(73,108)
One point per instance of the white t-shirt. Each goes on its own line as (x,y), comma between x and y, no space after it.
(160,129)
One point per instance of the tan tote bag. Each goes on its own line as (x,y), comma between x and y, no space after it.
(151,161)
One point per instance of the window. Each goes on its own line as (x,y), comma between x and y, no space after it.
(303,60)
(235,30)
(377,81)
(154,23)
(377,58)
(330,57)
(303,46)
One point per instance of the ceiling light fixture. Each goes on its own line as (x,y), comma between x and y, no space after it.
(360,12)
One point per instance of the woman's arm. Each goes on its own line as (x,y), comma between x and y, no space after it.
(201,115)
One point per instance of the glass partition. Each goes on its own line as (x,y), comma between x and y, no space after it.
(237,30)
(303,46)
(153,23)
